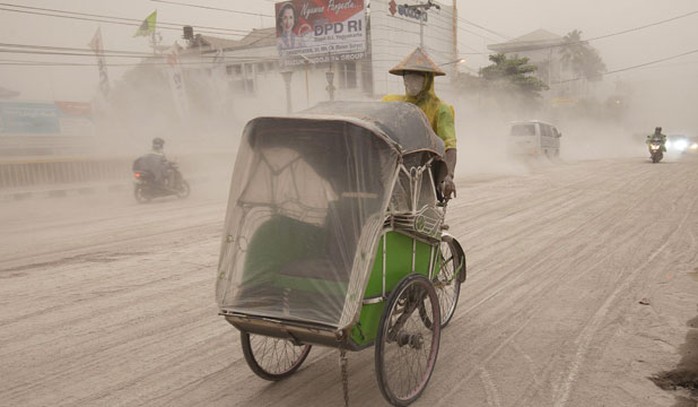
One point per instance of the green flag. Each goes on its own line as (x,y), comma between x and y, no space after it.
(147,26)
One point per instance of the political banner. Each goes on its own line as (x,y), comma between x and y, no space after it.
(75,118)
(98,48)
(176,79)
(58,118)
(320,30)
(29,118)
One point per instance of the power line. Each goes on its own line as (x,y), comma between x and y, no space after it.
(25,63)
(656,61)
(483,28)
(41,50)
(461,19)
(247,13)
(644,26)
(49,12)
(112,20)
(53,48)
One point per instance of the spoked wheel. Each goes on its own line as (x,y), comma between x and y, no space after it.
(272,358)
(446,281)
(407,343)
(183,190)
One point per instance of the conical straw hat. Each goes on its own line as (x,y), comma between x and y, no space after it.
(418,61)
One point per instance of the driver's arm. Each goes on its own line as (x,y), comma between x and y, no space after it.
(446,130)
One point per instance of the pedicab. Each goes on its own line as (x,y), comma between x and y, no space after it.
(334,236)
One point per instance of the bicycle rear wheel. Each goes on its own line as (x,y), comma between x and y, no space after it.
(446,281)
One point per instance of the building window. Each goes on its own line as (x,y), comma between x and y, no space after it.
(233,70)
(347,75)
(243,86)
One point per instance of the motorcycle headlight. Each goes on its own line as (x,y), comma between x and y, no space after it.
(694,146)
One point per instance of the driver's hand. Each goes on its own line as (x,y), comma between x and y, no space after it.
(448,187)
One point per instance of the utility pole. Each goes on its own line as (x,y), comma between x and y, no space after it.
(286,74)
(421,11)
(329,75)
(155,40)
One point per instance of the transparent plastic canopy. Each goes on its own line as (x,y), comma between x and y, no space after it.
(307,205)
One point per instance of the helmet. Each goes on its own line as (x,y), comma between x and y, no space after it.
(158,143)
(658,129)
(417,61)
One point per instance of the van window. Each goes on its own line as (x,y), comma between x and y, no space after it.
(523,130)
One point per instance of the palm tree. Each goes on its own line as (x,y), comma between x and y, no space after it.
(583,60)
(514,73)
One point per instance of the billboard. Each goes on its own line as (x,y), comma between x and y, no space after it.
(320,30)
(45,118)
(35,118)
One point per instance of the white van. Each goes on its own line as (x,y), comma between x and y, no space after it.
(534,137)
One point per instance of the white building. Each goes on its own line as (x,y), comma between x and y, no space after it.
(242,76)
(543,49)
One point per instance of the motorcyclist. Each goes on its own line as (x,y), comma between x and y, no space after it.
(157,164)
(657,137)
(418,72)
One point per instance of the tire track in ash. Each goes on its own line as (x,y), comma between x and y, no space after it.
(570,198)
(587,334)
(476,212)
(523,314)
(505,281)
(569,195)
(623,279)
(119,228)
(150,345)
(38,309)
(526,270)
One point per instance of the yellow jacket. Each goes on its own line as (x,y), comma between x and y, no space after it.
(441,115)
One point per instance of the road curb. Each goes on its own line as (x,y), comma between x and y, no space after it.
(60,191)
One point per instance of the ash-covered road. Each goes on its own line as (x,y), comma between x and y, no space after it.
(582,278)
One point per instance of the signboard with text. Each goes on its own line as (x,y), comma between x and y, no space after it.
(319,30)
(46,118)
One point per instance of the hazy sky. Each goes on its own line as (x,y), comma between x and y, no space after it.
(509,18)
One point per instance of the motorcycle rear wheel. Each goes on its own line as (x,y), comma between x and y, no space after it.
(183,191)
(141,195)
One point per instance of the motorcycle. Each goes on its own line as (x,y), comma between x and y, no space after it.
(146,188)
(656,153)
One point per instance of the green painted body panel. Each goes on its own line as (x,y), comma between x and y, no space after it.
(278,242)
(281,241)
(398,264)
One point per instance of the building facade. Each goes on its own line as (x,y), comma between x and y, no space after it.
(244,76)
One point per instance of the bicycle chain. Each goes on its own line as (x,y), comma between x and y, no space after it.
(343,362)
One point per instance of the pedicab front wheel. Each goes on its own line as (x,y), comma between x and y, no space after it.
(447,282)
(407,343)
(272,358)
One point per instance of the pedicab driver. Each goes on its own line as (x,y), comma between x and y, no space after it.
(418,72)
